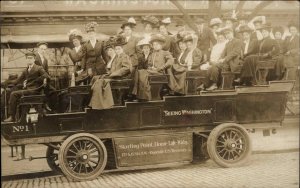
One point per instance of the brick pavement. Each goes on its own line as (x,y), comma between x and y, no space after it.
(263,170)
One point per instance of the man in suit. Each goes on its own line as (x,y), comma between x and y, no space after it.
(40,58)
(205,38)
(130,47)
(49,90)
(230,57)
(33,78)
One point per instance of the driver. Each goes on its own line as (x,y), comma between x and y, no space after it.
(34,77)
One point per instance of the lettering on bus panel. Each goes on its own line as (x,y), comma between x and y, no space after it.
(20,128)
(187,112)
(149,150)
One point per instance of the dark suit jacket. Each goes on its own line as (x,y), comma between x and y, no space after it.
(292,46)
(197,58)
(252,48)
(34,77)
(143,61)
(232,53)
(38,61)
(76,57)
(268,47)
(94,57)
(120,66)
(131,49)
(205,39)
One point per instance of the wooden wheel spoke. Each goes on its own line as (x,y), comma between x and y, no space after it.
(90,145)
(231,133)
(223,156)
(85,169)
(237,153)
(85,144)
(80,144)
(221,151)
(75,166)
(75,146)
(220,142)
(93,161)
(91,166)
(80,168)
(94,156)
(72,151)
(93,150)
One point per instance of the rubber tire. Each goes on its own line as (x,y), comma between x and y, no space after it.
(61,158)
(211,142)
(53,167)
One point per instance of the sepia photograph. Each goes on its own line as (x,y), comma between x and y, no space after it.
(150,93)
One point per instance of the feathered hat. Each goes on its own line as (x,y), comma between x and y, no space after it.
(150,20)
(75,33)
(130,22)
(91,26)
(166,21)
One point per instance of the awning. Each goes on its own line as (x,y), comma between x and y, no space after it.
(30,41)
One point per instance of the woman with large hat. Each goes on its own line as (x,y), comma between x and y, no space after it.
(250,46)
(117,67)
(76,54)
(143,57)
(93,51)
(158,63)
(215,24)
(179,68)
(151,24)
(268,49)
(189,59)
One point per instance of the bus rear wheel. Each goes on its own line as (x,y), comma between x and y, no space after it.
(229,145)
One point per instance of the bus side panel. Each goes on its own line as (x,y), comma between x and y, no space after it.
(153,149)
(261,107)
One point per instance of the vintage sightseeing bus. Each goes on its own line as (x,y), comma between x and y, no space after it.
(83,142)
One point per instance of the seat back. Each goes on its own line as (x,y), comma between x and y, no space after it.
(120,89)
(194,78)
(157,83)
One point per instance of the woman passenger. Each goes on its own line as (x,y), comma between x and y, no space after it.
(158,63)
(268,49)
(76,54)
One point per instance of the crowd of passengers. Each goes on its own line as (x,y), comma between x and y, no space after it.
(231,44)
